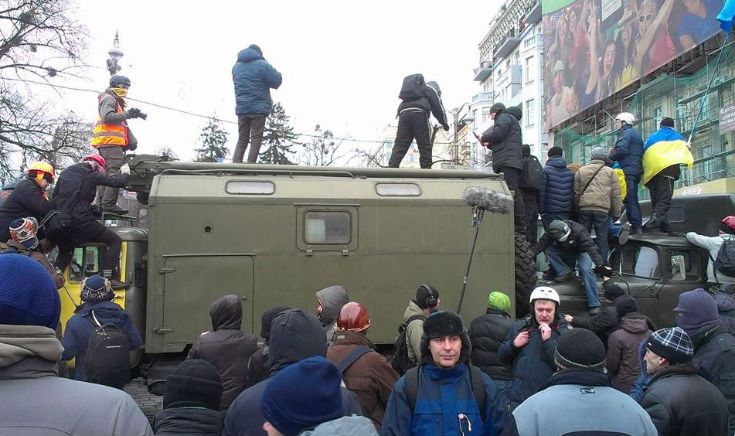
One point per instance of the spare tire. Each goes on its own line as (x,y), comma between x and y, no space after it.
(525,274)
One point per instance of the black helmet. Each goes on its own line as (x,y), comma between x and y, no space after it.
(117,80)
(559,230)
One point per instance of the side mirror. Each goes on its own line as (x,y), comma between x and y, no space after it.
(678,267)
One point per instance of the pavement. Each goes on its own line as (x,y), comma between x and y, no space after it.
(150,404)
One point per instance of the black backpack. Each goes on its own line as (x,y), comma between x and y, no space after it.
(725,261)
(108,355)
(400,362)
(412,88)
(532,173)
(413,377)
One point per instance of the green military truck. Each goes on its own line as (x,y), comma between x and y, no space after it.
(274,235)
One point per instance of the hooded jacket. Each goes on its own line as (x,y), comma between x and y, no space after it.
(628,151)
(258,364)
(332,299)
(27,199)
(226,347)
(429,101)
(505,139)
(726,309)
(253,77)
(371,377)
(295,335)
(80,327)
(557,187)
(680,402)
(602,193)
(487,332)
(347,425)
(588,405)
(622,360)
(414,330)
(190,421)
(714,358)
(36,401)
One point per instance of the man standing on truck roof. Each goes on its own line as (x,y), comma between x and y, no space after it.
(112,136)
(419,99)
(628,152)
(663,153)
(253,77)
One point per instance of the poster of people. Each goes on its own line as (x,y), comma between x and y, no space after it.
(593,48)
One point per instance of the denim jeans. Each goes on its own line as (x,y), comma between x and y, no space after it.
(632,207)
(563,262)
(599,221)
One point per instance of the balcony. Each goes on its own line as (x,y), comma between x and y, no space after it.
(483,71)
(482,97)
(533,16)
(506,47)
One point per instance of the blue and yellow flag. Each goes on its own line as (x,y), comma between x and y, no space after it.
(726,15)
(663,154)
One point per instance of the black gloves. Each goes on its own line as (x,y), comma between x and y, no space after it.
(134,112)
(602,270)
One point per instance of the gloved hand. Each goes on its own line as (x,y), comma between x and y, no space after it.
(125,169)
(445,127)
(133,112)
(602,270)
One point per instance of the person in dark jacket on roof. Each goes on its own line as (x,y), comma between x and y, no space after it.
(530,187)
(258,364)
(29,198)
(628,153)
(253,77)
(556,199)
(329,302)
(97,304)
(504,139)
(191,403)
(419,99)
(623,361)
(295,336)
(226,347)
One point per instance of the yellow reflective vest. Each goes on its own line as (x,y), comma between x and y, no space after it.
(105,134)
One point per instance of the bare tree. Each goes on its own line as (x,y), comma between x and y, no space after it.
(322,149)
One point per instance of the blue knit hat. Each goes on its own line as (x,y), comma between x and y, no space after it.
(28,295)
(95,289)
(303,395)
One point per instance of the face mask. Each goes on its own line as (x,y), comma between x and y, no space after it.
(120,92)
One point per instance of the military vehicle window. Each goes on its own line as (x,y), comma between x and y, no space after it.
(398,189)
(640,261)
(253,187)
(327,227)
(684,265)
(85,263)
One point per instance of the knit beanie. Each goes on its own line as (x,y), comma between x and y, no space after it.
(727,225)
(612,290)
(303,395)
(194,383)
(23,231)
(554,151)
(695,308)
(673,344)
(580,348)
(28,295)
(95,289)
(267,318)
(597,153)
(498,300)
(625,306)
(426,296)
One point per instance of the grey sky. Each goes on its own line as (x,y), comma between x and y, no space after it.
(342,62)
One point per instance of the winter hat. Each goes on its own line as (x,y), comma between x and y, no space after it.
(194,383)
(498,300)
(95,289)
(695,308)
(302,396)
(727,225)
(267,318)
(597,153)
(580,348)
(625,306)
(426,296)
(439,325)
(554,151)
(497,107)
(612,290)
(673,344)
(23,231)
(667,122)
(28,295)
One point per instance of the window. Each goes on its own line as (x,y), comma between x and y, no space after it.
(85,263)
(327,227)
(641,261)
(252,187)
(398,189)
(530,69)
(485,115)
(530,112)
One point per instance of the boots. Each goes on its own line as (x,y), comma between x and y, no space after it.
(115,210)
(115,283)
(654,224)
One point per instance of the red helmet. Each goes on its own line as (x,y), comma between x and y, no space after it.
(353,316)
(95,158)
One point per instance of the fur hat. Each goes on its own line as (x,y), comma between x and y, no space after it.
(580,348)
(673,344)
(303,395)
(439,325)
(194,383)
(28,295)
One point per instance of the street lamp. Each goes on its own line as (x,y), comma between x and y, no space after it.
(116,54)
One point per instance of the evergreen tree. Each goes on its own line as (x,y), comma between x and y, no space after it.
(278,137)
(213,140)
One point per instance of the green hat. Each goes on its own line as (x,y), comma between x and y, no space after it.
(498,300)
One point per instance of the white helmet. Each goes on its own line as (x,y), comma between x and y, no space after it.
(626,117)
(544,293)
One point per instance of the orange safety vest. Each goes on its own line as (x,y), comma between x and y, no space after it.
(110,134)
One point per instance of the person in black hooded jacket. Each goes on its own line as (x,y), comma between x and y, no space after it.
(258,363)
(226,347)
(295,335)
(419,100)
(28,199)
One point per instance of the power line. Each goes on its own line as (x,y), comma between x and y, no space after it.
(193,114)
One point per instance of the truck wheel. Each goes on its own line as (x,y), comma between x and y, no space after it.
(525,274)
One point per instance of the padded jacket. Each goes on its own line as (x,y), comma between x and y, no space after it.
(505,139)
(487,332)
(253,77)
(557,187)
(26,200)
(628,151)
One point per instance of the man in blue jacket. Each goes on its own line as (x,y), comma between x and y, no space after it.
(628,152)
(253,77)
(444,402)
(556,198)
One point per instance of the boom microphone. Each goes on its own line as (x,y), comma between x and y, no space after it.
(491,201)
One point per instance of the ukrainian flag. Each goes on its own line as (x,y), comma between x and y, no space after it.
(665,152)
(726,15)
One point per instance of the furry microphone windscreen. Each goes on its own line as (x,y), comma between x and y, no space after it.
(491,201)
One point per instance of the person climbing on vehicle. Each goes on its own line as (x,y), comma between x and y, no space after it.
(713,244)
(73,194)
(628,152)
(29,198)
(112,136)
